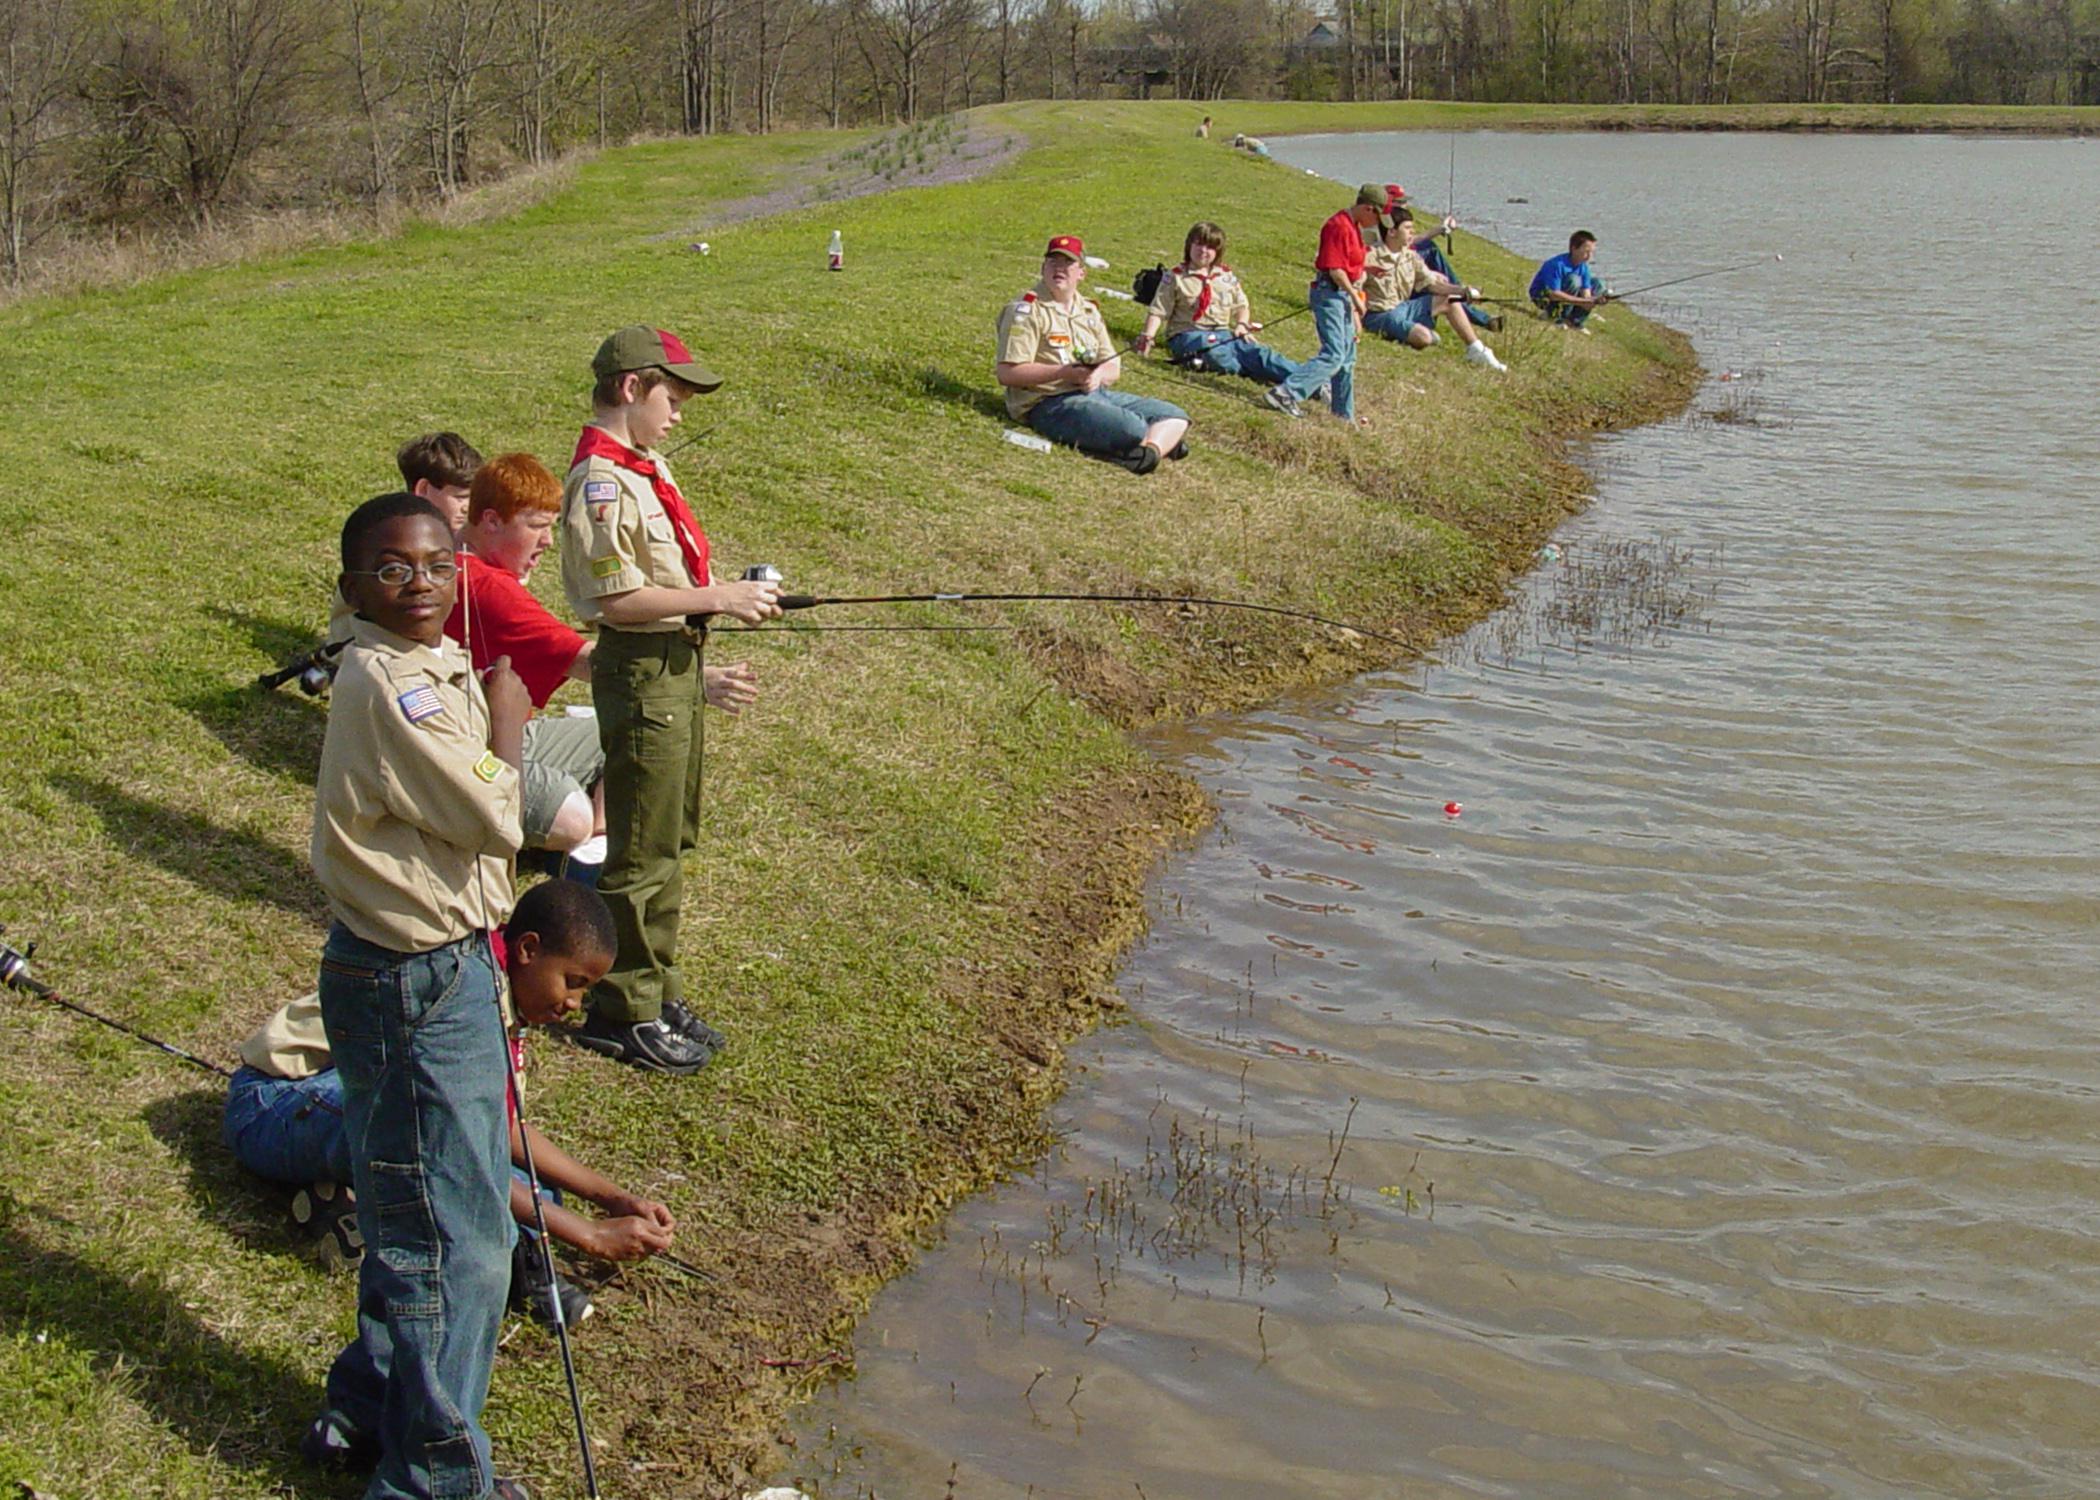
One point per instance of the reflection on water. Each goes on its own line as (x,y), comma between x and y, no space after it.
(1709,1106)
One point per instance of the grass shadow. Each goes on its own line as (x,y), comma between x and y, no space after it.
(226,1401)
(245,1206)
(279,640)
(223,861)
(969,394)
(276,732)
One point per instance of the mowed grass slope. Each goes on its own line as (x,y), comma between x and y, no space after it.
(922,852)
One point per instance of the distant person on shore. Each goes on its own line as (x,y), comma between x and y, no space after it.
(1056,363)
(1402,297)
(1207,315)
(1251,143)
(1433,254)
(1203,130)
(1566,289)
(1337,308)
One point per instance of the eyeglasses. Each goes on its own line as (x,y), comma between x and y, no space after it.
(395,574)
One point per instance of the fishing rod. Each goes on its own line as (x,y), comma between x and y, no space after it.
(14,974)
(1656,286)
(820,601)
(315,668)
(704,432)
(1450,199)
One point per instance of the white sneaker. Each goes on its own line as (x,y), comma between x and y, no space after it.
(1481,354)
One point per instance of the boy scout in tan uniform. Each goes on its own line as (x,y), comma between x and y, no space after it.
(416,816)
(1208,319)
(1056,362)
(635,564)
(1403,295)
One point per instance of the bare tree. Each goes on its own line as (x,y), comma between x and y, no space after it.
(903,35)
(459,47)
(376,78)
(42,43)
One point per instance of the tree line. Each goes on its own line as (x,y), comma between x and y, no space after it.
(116,114)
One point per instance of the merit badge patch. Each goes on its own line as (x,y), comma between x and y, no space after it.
(606,567)
(488,767)
(420,703)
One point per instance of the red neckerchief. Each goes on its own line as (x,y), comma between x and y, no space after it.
(1202,297)
(596,442)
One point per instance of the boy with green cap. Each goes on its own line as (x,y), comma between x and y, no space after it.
(635,565)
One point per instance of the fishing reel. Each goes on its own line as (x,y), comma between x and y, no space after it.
(14,968)
(313,670)
(756,573)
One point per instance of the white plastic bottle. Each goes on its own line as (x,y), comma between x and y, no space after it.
(838,250)
(1034,442)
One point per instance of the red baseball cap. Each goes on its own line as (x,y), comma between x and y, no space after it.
(1070,246)
(1394,194)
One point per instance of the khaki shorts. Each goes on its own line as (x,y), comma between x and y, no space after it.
(561,757)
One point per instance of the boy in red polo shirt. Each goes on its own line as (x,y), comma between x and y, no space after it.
(1337,308)
(511,512)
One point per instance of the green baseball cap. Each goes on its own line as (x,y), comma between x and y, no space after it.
(645,348)
(1371,195)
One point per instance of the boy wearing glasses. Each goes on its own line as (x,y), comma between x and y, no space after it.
(416,816)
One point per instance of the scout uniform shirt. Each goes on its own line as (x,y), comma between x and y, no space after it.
(1035,330)
(618,535)
(1182,302)
(415,818)
(1392,277)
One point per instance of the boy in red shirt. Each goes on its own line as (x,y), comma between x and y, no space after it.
(1337,307)
(512,506)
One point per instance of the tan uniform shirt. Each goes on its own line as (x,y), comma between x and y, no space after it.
(1391,277)
(292,1043)
(415,819)
(1035,330)
(1180,290)
(616,537)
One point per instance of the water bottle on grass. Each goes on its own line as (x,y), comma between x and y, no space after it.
(1033,442)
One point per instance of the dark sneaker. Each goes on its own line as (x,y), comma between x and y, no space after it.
(327,1444)
(1482,318)
(328,1214)
(650,1045)
(1279,398)
(690,1026)
(532,1295)
(1178,452)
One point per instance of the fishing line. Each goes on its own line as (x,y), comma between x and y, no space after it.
(825,629)
(818,601)
(14,974)
(1656,286)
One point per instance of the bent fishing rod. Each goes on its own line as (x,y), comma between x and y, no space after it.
(1656,286)
(15,975)
(823,601)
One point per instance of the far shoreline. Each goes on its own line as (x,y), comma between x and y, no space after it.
(2024,121)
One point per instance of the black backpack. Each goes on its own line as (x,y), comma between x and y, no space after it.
(1146,287)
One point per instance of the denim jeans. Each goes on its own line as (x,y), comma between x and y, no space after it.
(1562,312)
(1334,314)
(1100,421)
(1394,322)
(1220,351)
(419,1043)
(1433,257)
(548,1195)
(288,1129)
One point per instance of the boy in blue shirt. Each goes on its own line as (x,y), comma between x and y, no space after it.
(1566,290)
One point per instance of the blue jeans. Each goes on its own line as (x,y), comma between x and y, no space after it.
(1433,257)
(1220,351)
(1562,312)
(288,1129)
(1394,322)
(419,1043)
(1100,421)
(1334,314)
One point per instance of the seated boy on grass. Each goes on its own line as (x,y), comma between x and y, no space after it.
(1402,296)
(284,1110)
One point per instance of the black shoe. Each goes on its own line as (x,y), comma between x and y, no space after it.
(1178,452)
(531,1295)
(695,1030)
(509,1489)
(327,1445)
(650,1045)
(1492,322)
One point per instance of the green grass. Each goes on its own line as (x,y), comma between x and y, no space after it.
(922,851)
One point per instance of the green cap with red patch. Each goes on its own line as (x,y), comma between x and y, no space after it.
(645,348)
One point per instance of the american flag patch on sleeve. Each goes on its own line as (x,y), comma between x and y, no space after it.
(420,703)
(600,491)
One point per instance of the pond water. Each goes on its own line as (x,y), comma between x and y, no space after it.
(1711,1106)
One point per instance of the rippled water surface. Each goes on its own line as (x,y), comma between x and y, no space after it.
(1710,1108)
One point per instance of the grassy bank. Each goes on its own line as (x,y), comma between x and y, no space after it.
(1263,118)
(924,851)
